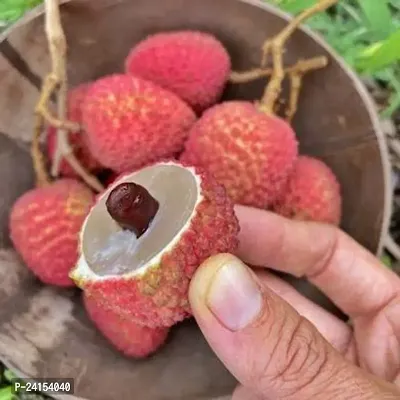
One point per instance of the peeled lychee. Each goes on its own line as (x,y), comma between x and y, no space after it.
(194,65)
(77,140)
(126,336)
(146,278)
(312,193)
(44,228)
(132,122)
(249,152)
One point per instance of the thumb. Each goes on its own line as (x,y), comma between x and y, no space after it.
(264,342)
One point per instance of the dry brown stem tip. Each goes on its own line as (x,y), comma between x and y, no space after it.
(275,45)
(250,75)
(295,87)
(296,74)
(302,66)
(56,81)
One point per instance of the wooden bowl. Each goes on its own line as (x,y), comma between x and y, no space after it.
(44,331)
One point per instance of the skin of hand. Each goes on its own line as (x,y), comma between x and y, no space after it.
(278,344)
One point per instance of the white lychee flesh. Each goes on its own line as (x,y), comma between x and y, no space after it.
(108,250)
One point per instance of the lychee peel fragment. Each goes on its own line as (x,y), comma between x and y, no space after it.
(249,152)
(124,335)
(131,122)
(44,228)
(194,65)
(155,294)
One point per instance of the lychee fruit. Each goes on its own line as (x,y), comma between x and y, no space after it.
(194,65)
(312,193)
(251,153)
(44,228)
(126,336)
(145,237)
(132,122)
(77,140)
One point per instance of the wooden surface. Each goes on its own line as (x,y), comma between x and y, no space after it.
(44,331)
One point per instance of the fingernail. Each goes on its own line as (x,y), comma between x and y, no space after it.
(234,297)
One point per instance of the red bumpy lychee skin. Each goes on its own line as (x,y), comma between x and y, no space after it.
(44,228)
(159,296)
(126,336)
(77,140)
(249,152)
(312,193)
(132,122)
(194,65)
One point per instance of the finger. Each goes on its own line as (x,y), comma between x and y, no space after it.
(347,273)
(264,342)
(378,342)
(335,331)
(242,393)
(393,318)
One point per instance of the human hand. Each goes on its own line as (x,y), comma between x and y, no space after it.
(280,345)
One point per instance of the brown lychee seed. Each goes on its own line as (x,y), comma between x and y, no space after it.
(146,278)
(132,207)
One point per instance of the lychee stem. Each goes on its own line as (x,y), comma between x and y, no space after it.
(295,87)
(62,112)
(249,75)
(296,76)
(42,177)
(275,46)
(50,84)
(302,66)
(132,207)
(57,79)
(296,73)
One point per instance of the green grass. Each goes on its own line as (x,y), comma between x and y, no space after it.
(366,33)
(11,10)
